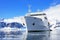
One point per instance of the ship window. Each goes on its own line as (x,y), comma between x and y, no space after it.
(38,14)
(41,19)
(45,17)
(23,24)
(34,18)
(33,24)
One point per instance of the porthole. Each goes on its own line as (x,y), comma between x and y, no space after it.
(33,24)
(23,24)
(34,18)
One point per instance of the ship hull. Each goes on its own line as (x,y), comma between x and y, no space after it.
(36,24)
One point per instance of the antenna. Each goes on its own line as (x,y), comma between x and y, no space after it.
(29,8)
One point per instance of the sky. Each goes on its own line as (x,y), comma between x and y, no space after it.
(15,8)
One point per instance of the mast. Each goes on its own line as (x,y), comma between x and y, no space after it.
(29,8)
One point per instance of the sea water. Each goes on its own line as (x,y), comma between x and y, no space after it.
(23,35)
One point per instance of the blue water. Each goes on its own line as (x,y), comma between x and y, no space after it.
(45,35)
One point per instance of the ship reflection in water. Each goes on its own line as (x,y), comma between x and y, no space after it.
(18,35)
(23,35)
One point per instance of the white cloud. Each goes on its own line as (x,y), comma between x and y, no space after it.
(53,13)
(15,19)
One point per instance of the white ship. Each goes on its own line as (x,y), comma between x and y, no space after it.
(35,21)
